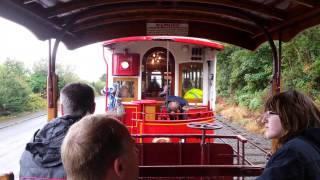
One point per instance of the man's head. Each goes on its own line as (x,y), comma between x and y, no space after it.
(99,147)
(173,106)
(77,99)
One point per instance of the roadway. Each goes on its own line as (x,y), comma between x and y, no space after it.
(13,138)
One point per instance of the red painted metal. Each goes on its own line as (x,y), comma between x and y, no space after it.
(182,39)
(107,76)
(192,171)
(133,61)
(170,127)
(179,153)
(130,113)
(138,120)
(175,154)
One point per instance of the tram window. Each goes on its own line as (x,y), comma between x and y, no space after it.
(156,79)
(156,73)
(191,75)
(128,88)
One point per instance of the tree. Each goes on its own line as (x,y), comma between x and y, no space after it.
(38,77)
(66,75)
(103,77)
(244,76)
(14,90)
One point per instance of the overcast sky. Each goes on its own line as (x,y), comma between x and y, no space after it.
(17,42)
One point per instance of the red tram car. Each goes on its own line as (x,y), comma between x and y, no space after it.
(185,65)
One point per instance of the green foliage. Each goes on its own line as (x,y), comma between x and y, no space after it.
(98,86)
(66,75)
(14,90)
(35,102)
(103,77)
(23,90)
(245,76)
(38,77)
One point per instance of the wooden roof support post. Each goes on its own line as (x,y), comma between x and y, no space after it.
(276,56)
(276,78)
(276,83)
(52,82)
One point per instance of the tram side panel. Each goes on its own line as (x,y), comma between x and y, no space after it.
(139,121)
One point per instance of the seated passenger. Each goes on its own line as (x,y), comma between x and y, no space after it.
(294,120)
(176,104)
(41,158)
(99,147)
(189,91)
(194,94)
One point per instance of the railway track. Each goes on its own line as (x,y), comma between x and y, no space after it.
(256,148)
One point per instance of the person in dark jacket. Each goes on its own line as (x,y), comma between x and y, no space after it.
(294,121)
(41,158)
(176,104)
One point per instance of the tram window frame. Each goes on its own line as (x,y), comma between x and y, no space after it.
(200,75)
(135,87)
(155,61)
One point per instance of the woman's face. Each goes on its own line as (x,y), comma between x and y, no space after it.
(272,124)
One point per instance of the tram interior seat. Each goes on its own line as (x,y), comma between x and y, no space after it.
(157,154)
(184,154)
(7,176)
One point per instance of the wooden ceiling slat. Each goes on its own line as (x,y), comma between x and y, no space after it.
(307,3)
(163,17)
(212,10)
(230,21)
(291,21)
(24,16)
(247,6)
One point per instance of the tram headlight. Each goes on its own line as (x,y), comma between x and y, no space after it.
(124,65)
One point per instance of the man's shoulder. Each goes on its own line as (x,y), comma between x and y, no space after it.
(68,119)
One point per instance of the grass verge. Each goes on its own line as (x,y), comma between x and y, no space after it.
(240,115)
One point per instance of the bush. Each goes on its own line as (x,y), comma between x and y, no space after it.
(255,103)
(35,102)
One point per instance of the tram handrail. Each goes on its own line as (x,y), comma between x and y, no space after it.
(177,120)
(240,139)
(208,115)
(244,140)
(202,112)
(199,170)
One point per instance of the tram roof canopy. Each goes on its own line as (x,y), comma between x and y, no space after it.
(188,40)
(236,22)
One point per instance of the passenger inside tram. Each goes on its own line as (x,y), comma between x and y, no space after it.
(42,159)
(189,91)
(174,105)
(124,92)
(154,87)
(294,121)
(99,147)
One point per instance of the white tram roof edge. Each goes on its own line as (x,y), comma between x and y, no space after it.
(182,39)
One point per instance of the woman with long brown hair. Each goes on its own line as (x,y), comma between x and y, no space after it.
(294,121)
